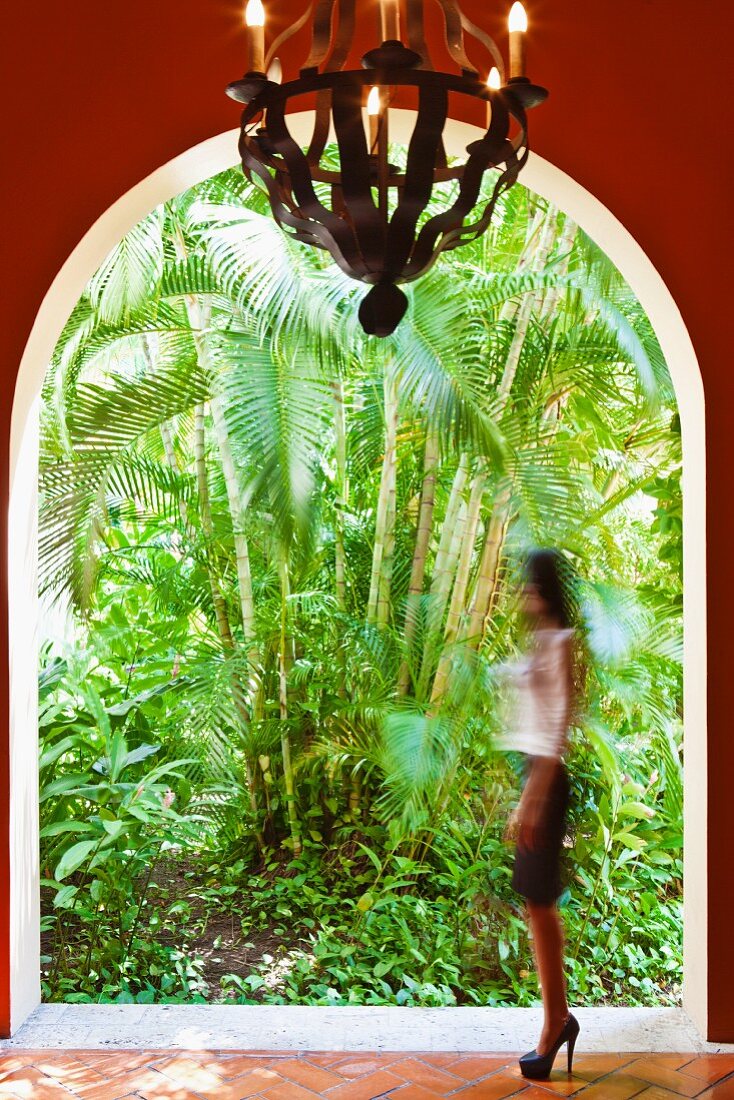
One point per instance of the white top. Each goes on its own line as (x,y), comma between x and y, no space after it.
(539,689)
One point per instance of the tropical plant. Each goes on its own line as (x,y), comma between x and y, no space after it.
(304,545)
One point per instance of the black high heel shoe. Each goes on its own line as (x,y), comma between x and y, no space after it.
(538,1066)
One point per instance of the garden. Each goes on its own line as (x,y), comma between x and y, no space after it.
(280,564)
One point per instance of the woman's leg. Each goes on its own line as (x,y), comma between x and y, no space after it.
(547,934)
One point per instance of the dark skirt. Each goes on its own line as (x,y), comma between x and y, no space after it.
(537,875)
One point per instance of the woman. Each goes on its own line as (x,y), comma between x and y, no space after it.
(543,691)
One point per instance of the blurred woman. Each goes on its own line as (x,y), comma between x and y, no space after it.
(542,683)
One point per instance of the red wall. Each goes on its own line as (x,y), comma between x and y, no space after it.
(98,95)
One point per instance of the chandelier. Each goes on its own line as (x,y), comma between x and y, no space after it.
(378,220)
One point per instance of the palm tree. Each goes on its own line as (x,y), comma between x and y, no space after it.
(345,511)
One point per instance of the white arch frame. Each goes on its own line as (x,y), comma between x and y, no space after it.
(177,175)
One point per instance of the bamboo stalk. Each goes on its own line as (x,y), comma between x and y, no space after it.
(420,552)
(285,744)
(487,579)
(237,513)
(199,323)
(388,557)
(446,562)
(342,493)
(220,608)
(487,576)
(385,505)
(461,583)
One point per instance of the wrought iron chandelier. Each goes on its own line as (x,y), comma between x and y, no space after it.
(370,215)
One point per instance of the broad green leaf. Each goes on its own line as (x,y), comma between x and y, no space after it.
(73,858)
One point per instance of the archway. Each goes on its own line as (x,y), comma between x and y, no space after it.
(198,164)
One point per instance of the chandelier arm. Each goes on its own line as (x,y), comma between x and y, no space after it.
(466,233)
(344,36)
(455,36)
(416,34)
(356,174)
(335,233)
(460,236)
(321,36)
(286,34)
(483,154)
(487,41)
(281,211)
(425,143)
(321,125)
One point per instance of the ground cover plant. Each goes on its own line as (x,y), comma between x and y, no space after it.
(287,556)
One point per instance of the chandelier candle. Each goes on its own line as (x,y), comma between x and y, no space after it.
(494,83)
(518,27)
(255,19)
(373,114)
(390,20)
(383,223)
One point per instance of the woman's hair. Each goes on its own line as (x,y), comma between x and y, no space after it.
(558,583)
(553,576)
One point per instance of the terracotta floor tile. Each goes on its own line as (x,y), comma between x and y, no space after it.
(365,1088)
(31,1082)
(11,1062)
(26,1087)
(495,1087)
(121,1061)
(228,1067)
(311,1077)
(367,1063)
(149,1082)
(591,1066)
(723,1091)
(534,1092)
(190,1073)
(289,1090)
(167,1090)
(439,1081)
(618,1086)
(114,1088)
(649,1069)
(673,1061)
(70,1072)
(657,1093)
(559,1081)
(709,1067)
(473,1066)
(344,1075)
(414,1092)
(442,1058)
(318,1058)
(248,1084)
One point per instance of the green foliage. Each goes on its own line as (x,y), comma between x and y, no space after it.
(258,715)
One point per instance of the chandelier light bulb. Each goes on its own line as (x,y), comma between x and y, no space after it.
(518,17)
(373,101)
(255,13)
(518,26)
(493,80)
(275,71)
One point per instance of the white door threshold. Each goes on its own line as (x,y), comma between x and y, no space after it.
(295,1027)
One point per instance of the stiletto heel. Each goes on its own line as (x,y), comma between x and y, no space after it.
(569,1050)
(538,1066)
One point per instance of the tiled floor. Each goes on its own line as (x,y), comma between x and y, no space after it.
(228,1075)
